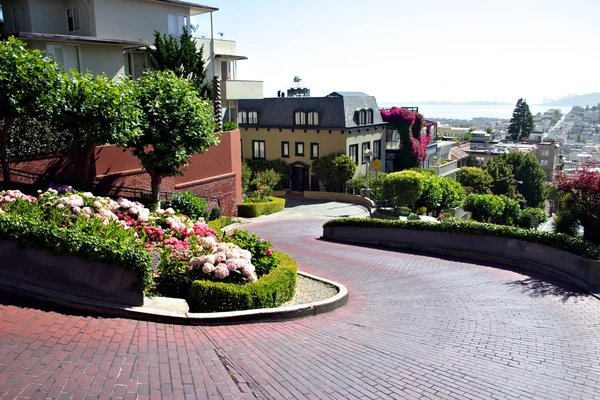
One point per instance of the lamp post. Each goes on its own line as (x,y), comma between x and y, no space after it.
(368,154)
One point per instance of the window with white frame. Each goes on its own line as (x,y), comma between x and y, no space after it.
(176,24)
(544,163)
(313,118)
(377,149)
(365,149)
(67,56)
(353,153)
(300,149)
(300,118)
(242,117)
(252,117)
(314,151)
(73,19)
(258,149)
(369,117)
(545,153)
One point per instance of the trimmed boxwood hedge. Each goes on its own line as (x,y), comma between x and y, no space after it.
(250,210)
(271,290)
(571,244)
(28,232)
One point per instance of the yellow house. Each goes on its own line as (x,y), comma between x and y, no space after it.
(302,129)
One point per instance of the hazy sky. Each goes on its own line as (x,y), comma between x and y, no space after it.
(420,50)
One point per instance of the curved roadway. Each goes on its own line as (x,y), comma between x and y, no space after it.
(415,327)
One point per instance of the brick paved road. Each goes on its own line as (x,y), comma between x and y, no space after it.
(415,327)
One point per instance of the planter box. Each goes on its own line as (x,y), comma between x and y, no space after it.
(70,275)
(512,251)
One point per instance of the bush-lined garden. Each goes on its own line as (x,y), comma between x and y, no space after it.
(168,251)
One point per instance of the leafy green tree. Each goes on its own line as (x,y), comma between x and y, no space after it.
(432,194)
(530,177)
(453,194)
(504,181)
(262,165)
(474,180)
(334,170)
(489,130)
(98,110)
(532,217)
(246,176)
(182,58)
(403,188)
(511,212)
(521,123)
(484,207)
(265,181)
(28,87)
(175,123)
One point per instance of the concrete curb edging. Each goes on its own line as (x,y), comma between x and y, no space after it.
(100,308)
(507,260)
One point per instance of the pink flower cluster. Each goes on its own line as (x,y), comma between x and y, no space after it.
(223,259)
(420,147)
(398,116)
(9,196)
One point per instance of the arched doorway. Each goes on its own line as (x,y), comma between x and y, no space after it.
(299,176)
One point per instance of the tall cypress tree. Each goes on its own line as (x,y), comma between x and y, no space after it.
(182,57)
(521,123)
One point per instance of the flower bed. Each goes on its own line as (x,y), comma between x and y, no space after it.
(250,210)
(167,251)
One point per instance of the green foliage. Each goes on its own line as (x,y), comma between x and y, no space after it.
(474,180)
(188,204)
(215,213)
(218,224)
(532,217)
(333,171)
(229,126)
(375,184)
(403,188)
(484,207)
(526,169)
(431,197)
(29,231)
(504,181)
(251,210)
(271,290)
(175,124)
(264,181)
(511,213)
(566,222)
(182,58)
(453,194)
(28,83)
(264,258)
(521,123)
(278,165)
(30,136)
(246,176)
(463,227)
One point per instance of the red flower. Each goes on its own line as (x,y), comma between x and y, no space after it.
(269,253)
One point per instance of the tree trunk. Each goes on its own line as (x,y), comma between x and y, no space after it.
(89,152)
(591,231)
(3,150)
(155,182)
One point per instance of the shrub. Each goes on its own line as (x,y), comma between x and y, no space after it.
(33,137)
(215,213)
(566,222)
(453,194)
(263,258)
(251,210)
(188,204)
(28,231)
(403,188)
(484,207)
(278,165)
(218,224)
(511,212)
(532,217)
(229,126)
(271,290)
(264,182)
(474,180)
(333,171)
(459,226)
(432,194)
(246,176)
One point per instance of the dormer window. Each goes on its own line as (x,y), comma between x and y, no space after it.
(364,116)
(300,118)
(369,119)
(248,117)
(73,19)
(313,118)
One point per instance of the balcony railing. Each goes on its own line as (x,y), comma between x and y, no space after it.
(445,169)
(241,90)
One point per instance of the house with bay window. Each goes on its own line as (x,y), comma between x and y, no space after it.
(110,36)
(301,129)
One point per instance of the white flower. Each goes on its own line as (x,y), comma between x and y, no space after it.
(87,194)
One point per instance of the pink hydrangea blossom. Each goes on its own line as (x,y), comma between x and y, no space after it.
(221,271)
(208,268)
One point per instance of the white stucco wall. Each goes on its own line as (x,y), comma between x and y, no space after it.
(7,11)
(133,19)
(51,16)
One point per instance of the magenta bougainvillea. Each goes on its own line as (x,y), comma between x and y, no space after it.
(409,125)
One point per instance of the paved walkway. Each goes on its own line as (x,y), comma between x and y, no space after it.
(415,327)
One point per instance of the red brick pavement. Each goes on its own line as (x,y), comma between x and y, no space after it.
(415,327)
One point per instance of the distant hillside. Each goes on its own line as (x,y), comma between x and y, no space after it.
(582,100)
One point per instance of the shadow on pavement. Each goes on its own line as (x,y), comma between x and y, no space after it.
(7,299)
(547,286)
